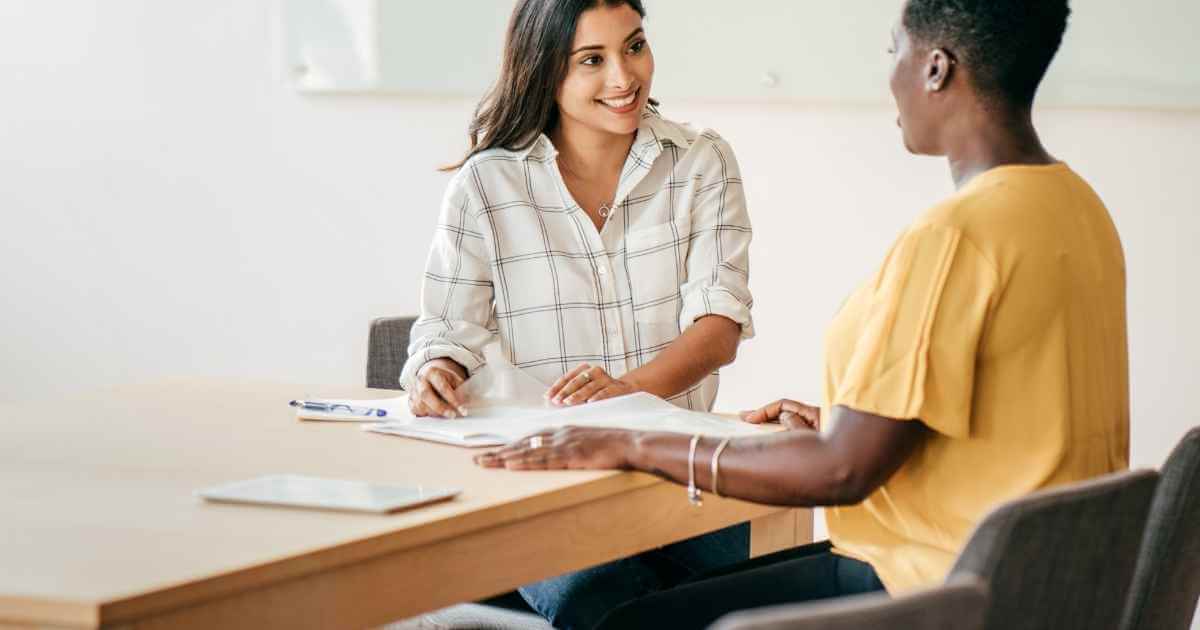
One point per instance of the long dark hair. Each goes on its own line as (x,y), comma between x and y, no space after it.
(521,104)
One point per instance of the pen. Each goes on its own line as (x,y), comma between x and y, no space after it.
(311,405)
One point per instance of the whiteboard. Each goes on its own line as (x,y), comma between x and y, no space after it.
(1116,53)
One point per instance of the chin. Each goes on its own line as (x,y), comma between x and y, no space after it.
(623,125)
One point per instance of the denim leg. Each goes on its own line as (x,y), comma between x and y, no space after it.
(581,599)
(706,553)
(577,601)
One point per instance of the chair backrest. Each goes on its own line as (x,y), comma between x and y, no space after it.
(1061,558)
(387,350)
(959,604)
(1166,583)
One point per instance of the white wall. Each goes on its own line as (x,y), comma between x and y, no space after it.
(170,207)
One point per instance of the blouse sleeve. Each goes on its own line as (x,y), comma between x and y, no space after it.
(456,295)
(916,356)
(718,261)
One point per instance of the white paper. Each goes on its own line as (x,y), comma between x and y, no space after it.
(505,404)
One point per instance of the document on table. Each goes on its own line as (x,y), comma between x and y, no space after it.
(494,426)
(505,404)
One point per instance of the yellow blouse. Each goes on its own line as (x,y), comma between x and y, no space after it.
(998,321)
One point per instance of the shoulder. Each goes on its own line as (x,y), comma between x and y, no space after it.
(494,159)
(702,145)
(492,170)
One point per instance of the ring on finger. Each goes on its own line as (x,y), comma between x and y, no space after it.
(535,441)
(587,377)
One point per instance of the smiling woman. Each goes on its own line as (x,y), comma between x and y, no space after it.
(602,248)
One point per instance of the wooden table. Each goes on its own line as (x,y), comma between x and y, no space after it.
(99,525)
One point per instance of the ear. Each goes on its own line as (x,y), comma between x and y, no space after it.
(938,68)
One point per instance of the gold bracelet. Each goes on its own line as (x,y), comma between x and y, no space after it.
(716,464)
(692,491)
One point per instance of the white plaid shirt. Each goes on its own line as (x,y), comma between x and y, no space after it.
(516,260)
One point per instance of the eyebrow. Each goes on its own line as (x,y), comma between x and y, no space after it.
(628,37)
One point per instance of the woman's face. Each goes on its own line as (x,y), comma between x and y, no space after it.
(910,88)
(609,71)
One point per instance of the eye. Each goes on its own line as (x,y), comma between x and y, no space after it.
(637,47)
(591,60)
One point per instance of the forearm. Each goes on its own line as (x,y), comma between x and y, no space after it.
(709,343)
(795,468)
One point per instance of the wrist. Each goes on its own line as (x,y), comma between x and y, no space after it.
(443,363)
(634,382)
(635,450)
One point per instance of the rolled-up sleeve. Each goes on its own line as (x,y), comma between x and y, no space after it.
(718,260)
(456,293)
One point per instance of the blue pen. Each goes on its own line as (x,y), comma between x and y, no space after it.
(310,405)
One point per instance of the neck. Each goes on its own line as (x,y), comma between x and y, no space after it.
(589,153)
(988,138)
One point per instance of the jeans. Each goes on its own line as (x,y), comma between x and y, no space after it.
(801,574)
(579,600)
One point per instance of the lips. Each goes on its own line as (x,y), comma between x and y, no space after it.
(622,104)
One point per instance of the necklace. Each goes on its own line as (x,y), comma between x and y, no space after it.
(606,207)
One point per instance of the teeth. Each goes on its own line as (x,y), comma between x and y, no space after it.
(619,103)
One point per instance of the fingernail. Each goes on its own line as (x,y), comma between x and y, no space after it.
(463,411)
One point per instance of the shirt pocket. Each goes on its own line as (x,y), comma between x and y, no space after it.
(656,259)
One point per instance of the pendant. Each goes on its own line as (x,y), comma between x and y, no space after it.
(605,210)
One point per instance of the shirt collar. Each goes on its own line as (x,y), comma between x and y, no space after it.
(653,134)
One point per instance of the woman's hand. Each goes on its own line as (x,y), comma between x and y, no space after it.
(587,384)
(568,447)
(790,413)
(436,393)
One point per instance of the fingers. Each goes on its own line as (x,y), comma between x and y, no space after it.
(585,393)
(524,455)
(793,420)
(592,379)
(429,397)
(556,388)
(446,384)
(417,407)
(774,412)
(766,413)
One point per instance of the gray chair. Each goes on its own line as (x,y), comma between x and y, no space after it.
(1166,583)
(1057,559)
(387,350)
(959,604)
(1062,558)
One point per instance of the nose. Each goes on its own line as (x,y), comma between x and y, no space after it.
(619,78)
